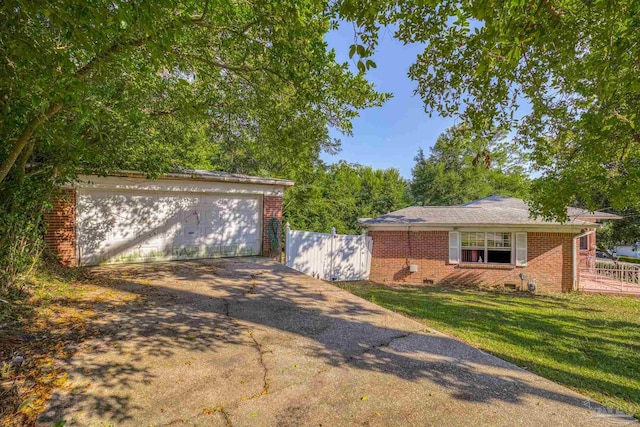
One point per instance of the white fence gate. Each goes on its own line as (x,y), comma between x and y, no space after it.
(329,256)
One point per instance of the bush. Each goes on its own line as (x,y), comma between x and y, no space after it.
(629,259)
(21,228)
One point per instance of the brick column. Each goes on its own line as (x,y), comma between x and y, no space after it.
(60,228)
(271,207)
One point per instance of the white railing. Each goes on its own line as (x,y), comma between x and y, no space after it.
(610,275)
(328,256)
(622,271)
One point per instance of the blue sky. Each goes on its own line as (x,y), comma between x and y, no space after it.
(390,136)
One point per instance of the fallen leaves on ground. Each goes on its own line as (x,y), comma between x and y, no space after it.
(42,328)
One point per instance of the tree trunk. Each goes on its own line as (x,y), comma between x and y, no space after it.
(24,139)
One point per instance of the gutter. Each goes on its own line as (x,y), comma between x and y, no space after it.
(574,257)
(556,227)
(198,176)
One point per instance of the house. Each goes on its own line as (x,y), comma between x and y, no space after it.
(126,217)
(491,241)
(628,250)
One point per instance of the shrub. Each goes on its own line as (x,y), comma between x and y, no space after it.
(21,228)
(629,259)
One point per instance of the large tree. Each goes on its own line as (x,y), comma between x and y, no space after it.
(338,195)
(625,231)
(129,83)
(102,85)
(461,168)
(571,66)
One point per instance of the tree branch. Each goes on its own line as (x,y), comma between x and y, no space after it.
(204,13)
(553,11)
(166,112)
(25,156)
(89,66)
(35,123)
(24,137)
(199,22)
(216,64)
(236,68)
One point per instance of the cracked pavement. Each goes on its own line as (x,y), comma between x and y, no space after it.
(249,342)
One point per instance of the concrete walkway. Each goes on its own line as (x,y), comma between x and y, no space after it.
(248,342)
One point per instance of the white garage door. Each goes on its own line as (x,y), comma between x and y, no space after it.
(145,226)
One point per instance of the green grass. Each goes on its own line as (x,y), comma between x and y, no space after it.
(590,343)
(629,259)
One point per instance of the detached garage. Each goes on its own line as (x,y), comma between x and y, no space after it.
(128,218)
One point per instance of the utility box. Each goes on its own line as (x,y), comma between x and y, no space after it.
(413,268)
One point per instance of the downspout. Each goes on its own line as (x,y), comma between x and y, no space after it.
(574,257)
(408,260)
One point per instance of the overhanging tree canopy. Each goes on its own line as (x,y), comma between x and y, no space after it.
(454,173)
(112,84)
(576,64)
(119,84)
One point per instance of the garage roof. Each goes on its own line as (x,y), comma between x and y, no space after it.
(216,176)
(492,210)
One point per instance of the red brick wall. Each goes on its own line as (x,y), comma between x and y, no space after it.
(60,231)
(271,207)
(549,261)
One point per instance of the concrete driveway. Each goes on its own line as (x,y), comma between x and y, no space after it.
(247,341)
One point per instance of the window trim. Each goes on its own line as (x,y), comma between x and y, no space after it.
(486,249)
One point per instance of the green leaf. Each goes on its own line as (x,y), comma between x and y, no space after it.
(352,50)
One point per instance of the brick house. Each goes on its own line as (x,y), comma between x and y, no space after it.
(126,217)
(491,241)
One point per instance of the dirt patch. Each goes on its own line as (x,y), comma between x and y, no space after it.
(41,326)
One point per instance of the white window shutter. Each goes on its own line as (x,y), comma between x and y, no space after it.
(454,247)
(521,249)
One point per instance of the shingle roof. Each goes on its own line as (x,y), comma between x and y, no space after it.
(492,210)
(586,215)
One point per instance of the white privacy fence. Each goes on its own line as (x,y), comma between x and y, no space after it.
(329,256)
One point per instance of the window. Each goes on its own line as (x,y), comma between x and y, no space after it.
(584,243)
(473,247)
(493,247)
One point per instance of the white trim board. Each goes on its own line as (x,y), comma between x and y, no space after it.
(484,227)
(118,183)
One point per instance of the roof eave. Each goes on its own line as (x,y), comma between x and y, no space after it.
(201,177)
(484,225)
(599,217)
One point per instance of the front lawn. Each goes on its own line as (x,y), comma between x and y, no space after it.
(590,343)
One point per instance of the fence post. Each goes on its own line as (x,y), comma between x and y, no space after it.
(287,242)
(332,253)
(363,254)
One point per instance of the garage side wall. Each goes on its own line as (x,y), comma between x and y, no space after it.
(60,228)
(548,261)
(271,208)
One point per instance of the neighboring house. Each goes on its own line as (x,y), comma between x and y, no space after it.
(632,250)
(491,241)
(195,214)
